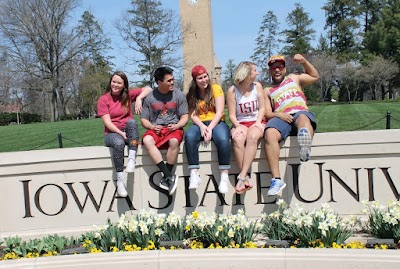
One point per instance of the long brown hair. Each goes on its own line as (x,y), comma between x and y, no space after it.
(124,95)
(193,98)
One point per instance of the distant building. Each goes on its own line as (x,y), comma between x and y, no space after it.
(9,107)
(217,71)
(197,41)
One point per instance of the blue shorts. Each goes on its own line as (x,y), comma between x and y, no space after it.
(287,129)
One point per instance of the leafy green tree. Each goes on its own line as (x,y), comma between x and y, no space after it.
(95,42)
(342,21)
(384,35)
(266,43)
(91,86)
(228,74)
(153,33)
(370,12)
(95,65)
(323,45)
(298,38)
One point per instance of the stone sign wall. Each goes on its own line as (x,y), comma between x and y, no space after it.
(67,191)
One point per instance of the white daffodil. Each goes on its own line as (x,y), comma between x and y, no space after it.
(393,221)
(323,226)
(281,202)
(231,233)
(158,232)
(263,216)
(387,217)
(307,221)
(133,226)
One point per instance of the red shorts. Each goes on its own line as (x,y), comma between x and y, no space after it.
(248,124)
(164,136)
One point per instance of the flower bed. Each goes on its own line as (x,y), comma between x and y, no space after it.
(148,230)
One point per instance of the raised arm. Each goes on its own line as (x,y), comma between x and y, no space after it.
(311,75)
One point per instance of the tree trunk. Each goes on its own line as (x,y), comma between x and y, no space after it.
(54,105)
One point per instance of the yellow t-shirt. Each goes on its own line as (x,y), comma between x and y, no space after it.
(208,116)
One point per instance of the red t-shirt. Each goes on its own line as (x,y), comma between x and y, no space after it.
(110,104)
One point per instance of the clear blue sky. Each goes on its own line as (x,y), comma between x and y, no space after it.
(235,23)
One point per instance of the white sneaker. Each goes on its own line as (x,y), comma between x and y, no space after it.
(305,140)
(223,184)
(130,168)
(277,185)
(121,189)
(194,180)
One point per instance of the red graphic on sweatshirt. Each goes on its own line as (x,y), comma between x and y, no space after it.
(163,107)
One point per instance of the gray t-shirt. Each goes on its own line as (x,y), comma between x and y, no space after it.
(163,109)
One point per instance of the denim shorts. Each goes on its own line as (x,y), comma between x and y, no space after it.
(286,128)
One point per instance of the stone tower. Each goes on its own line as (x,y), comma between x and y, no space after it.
(197,41)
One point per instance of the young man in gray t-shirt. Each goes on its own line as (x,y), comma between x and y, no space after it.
(164,114)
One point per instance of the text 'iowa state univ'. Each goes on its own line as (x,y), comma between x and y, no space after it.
(68,193)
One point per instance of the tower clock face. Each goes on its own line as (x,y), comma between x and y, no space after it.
(193,2)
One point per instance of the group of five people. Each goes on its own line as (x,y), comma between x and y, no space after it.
(274,113)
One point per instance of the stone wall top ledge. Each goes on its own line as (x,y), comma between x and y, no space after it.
(221,258)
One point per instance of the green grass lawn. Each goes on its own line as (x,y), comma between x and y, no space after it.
(359,116)
(89,132)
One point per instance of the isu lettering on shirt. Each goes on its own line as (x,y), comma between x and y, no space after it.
(247,106)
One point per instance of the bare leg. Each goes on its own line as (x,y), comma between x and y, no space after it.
(272,149)
(154,152)
(173,151)
(253,136)
(238,148)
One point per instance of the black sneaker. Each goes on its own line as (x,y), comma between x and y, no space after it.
(164,183)
(173,182)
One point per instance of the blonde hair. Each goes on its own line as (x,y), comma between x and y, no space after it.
(242,71)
